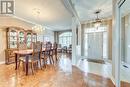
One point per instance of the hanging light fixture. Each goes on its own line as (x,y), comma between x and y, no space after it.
(97,21)
(37,28)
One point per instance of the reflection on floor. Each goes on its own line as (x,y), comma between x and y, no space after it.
(104,70)
(125,73)
(58,75)
(96,68)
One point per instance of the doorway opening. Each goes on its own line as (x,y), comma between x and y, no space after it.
(96,43)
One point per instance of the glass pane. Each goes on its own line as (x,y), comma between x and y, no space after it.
(21,37)
(12,39)
(29,40)
(34,38)
(65,39)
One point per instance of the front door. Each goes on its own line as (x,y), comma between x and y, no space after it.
(95,45)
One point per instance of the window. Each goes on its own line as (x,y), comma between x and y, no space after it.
(46,38)
(65,39)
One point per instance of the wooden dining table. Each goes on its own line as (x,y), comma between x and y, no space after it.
(25,53)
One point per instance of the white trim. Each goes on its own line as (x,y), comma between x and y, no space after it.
(2,62)
(116,43)
(113,80)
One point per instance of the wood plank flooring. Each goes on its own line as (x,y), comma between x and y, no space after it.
(53,76)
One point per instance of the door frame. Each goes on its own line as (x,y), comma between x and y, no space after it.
(117,43)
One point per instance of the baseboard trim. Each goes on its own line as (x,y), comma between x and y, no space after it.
(113,80)
(2,62)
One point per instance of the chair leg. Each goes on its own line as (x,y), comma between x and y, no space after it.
(37,65)
(56,57)
(50,59)
(45,62)
(41,63)
(23,66)
(32,68)
(19,64)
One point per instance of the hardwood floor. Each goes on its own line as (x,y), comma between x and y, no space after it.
(59,75)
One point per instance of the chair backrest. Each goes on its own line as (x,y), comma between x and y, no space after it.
(48,46)
(59,45)
(38,42)
(36,50)
(55,45)
(65,47)
(43,45)
(22,46)
(70,46)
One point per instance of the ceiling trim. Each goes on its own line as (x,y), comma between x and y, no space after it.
(71,7)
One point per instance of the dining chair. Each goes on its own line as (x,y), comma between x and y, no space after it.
(34,58)
(22,46)
(38,42)
(47,54)
(59,48)
(50,52)
(43,55)
(55,50)
(64,49)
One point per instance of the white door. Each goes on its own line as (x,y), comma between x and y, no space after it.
(95,45)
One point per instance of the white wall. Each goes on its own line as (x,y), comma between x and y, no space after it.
(46,33)
(2,45)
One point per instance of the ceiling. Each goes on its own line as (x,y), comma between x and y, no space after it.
(52,14)
(125,8)
(86,8)
(55,16)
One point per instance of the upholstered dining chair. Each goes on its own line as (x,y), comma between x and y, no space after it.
(50,52)
(22,46)
(43,55)
(34,58)
(55,50)
(47,54)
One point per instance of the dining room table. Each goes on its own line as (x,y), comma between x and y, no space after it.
(25,53)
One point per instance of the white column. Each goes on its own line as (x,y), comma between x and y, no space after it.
(78,52)
(82,40)
(116,44)
(74,24)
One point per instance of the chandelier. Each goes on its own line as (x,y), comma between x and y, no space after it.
(97,21)
(38,29)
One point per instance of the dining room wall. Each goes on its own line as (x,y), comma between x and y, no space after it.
(2,45)
(6,21)
(47,35)
(57,33)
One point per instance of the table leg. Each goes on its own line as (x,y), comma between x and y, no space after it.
(16,60)
(56,54)
(27,57)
